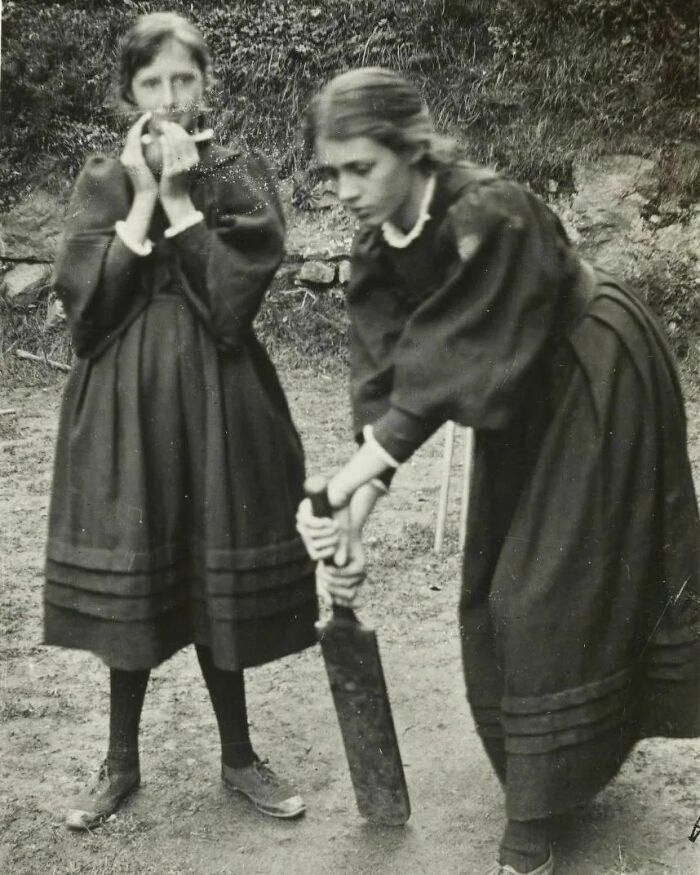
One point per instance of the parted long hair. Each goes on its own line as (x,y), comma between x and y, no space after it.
(144,39)
(380,104)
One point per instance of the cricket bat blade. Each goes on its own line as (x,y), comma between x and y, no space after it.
(356,677)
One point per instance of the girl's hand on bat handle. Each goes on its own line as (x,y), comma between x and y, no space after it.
(340,585)
(320,535)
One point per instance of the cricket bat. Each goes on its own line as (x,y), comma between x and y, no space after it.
(351,655)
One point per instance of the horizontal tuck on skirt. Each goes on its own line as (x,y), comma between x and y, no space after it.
(580,609)
(135,610)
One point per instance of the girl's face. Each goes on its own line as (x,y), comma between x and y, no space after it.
(171,86)
(373,181)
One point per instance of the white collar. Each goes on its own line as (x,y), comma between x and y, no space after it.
(395,236)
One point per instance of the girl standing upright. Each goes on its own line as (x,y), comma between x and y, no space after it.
(177,464)
(579,611)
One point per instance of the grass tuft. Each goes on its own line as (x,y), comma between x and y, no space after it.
(527,84)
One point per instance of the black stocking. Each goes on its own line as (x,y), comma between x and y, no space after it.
(227,694)
(127,692)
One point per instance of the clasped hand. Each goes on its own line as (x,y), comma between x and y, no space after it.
(178,155)
(337,582)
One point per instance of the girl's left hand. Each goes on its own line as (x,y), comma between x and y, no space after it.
(340,585)
(180,155)
(320,535)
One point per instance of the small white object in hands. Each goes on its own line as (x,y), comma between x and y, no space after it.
(198,137)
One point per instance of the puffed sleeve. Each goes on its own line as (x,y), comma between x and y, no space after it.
(96,274)
(226,263)
(468,351)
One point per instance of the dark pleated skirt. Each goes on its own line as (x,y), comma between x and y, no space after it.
(177,476)
(579,609)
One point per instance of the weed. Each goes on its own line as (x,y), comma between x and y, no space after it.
(527,84)
(25,328)
(299,325)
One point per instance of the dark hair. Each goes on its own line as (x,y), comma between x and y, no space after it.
(143,41)
(377,103)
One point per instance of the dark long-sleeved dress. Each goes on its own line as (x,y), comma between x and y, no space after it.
(580,601)
(178,469)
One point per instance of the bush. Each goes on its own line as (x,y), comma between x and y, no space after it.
(530,84)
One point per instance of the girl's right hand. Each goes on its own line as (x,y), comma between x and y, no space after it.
(340,585)
(134,162)
(321,535)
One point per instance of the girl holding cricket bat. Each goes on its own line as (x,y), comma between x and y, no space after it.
(579,612)
(178,468)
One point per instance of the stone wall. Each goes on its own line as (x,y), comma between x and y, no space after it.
(618,216)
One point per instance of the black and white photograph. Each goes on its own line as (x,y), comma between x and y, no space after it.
(349,437)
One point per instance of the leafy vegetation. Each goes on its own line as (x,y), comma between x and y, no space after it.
(528,84)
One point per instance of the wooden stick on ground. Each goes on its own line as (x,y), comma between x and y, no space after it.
(29,356)
(444,486)
(466,485)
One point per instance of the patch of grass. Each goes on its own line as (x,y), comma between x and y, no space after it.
(299,326)
(14,710)
(621,865)
(25,328)
(413,541)
(530,86)
(527,84)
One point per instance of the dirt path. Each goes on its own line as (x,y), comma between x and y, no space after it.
(54,706)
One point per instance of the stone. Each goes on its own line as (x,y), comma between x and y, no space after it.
(55,313)
(562,208)
(344,273)
(611,193)
(31,230)
(678,240)
(607,208)
(25,284)
(312,240)
(619,175)
(322,197)
(317,273)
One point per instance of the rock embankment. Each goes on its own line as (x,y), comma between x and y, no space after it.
(618,215)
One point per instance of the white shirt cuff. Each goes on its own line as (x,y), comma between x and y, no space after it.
(368,435)
(137,248)
(193,219)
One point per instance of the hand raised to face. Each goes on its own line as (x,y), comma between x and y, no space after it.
(179,156)
(134,161)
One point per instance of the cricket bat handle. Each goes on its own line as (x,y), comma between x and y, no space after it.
(316,489)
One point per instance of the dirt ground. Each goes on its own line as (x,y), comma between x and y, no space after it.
(54,715)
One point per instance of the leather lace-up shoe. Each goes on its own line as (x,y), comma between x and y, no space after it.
(267,791)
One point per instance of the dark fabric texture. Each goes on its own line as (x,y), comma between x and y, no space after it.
(178,469)
(581,587)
